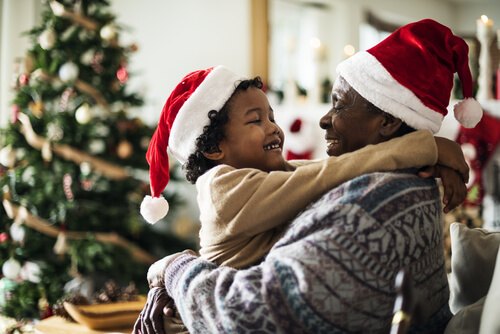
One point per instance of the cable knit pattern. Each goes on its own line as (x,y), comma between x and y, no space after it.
(333,271)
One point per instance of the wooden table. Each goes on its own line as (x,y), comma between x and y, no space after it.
(58,325)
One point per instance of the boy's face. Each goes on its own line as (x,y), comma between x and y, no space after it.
(252,139)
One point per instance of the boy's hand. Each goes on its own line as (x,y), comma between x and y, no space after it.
(450,155)
(455,190)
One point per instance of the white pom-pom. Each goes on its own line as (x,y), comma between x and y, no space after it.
(154,208)
(468,112)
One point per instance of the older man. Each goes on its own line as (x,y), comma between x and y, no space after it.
(333,270)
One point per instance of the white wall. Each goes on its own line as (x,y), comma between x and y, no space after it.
(17,16)
(176,37)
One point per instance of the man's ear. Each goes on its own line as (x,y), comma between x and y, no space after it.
(215,156)
(389,125)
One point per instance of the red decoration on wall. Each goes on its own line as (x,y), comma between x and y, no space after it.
(484,138)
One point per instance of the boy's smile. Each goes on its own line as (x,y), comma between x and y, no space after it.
(252,139)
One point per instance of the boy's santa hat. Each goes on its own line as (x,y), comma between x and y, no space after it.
(410,75)
(182,120)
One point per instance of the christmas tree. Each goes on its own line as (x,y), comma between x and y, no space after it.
(72,166)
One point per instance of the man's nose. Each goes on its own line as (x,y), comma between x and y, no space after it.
(325,122)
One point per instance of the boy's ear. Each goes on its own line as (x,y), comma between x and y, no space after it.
(389,125)
(218,155)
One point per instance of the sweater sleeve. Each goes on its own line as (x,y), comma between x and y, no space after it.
(249,201)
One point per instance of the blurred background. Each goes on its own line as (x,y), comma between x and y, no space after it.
(89,79)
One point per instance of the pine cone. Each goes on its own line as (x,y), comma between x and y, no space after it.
(75,299)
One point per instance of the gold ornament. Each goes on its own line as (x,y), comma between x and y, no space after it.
(36,108)
(124,149)
(83,114)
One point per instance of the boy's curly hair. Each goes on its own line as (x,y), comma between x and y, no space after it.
(208,142)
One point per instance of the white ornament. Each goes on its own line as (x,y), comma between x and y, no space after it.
(17,232)
(108,32)
(54,132)
(83,114)
(47,39)
(87,56)
(97,146)
(85,168)
(68,71)
(28,176)
(11,268)
(7,156)
(31,272)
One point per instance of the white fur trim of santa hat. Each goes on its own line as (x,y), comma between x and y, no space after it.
(372,81)
(211,94)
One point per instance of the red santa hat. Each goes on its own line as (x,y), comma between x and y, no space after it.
(410,75)
(182,120)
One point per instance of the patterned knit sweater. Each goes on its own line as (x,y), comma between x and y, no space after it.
(333,271)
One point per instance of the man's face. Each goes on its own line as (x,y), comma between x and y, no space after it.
(349,125)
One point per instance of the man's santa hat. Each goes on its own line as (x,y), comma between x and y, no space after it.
(182,120)
(410,75)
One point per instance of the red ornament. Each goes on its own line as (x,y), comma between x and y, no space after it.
(4,236)
(122,75)
(14,113)
(23,79)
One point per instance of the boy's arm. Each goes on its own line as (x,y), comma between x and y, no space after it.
(253,201)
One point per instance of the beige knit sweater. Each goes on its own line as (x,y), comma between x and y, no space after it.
(244,211)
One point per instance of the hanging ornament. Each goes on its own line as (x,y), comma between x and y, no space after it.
(4,236)
(36,108)
(67,181)
(54,132)
(86,169)
(11,268)
(108,32)
(23,79)
(30,271)
(122,75)
(7,156)
(87,57)
(68,71)
(44,310)
(97,146)
(65,97)
(17,232)
(124,149)
(28,176)
(83,114)
(14,112)
(47,38)
(61,247)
